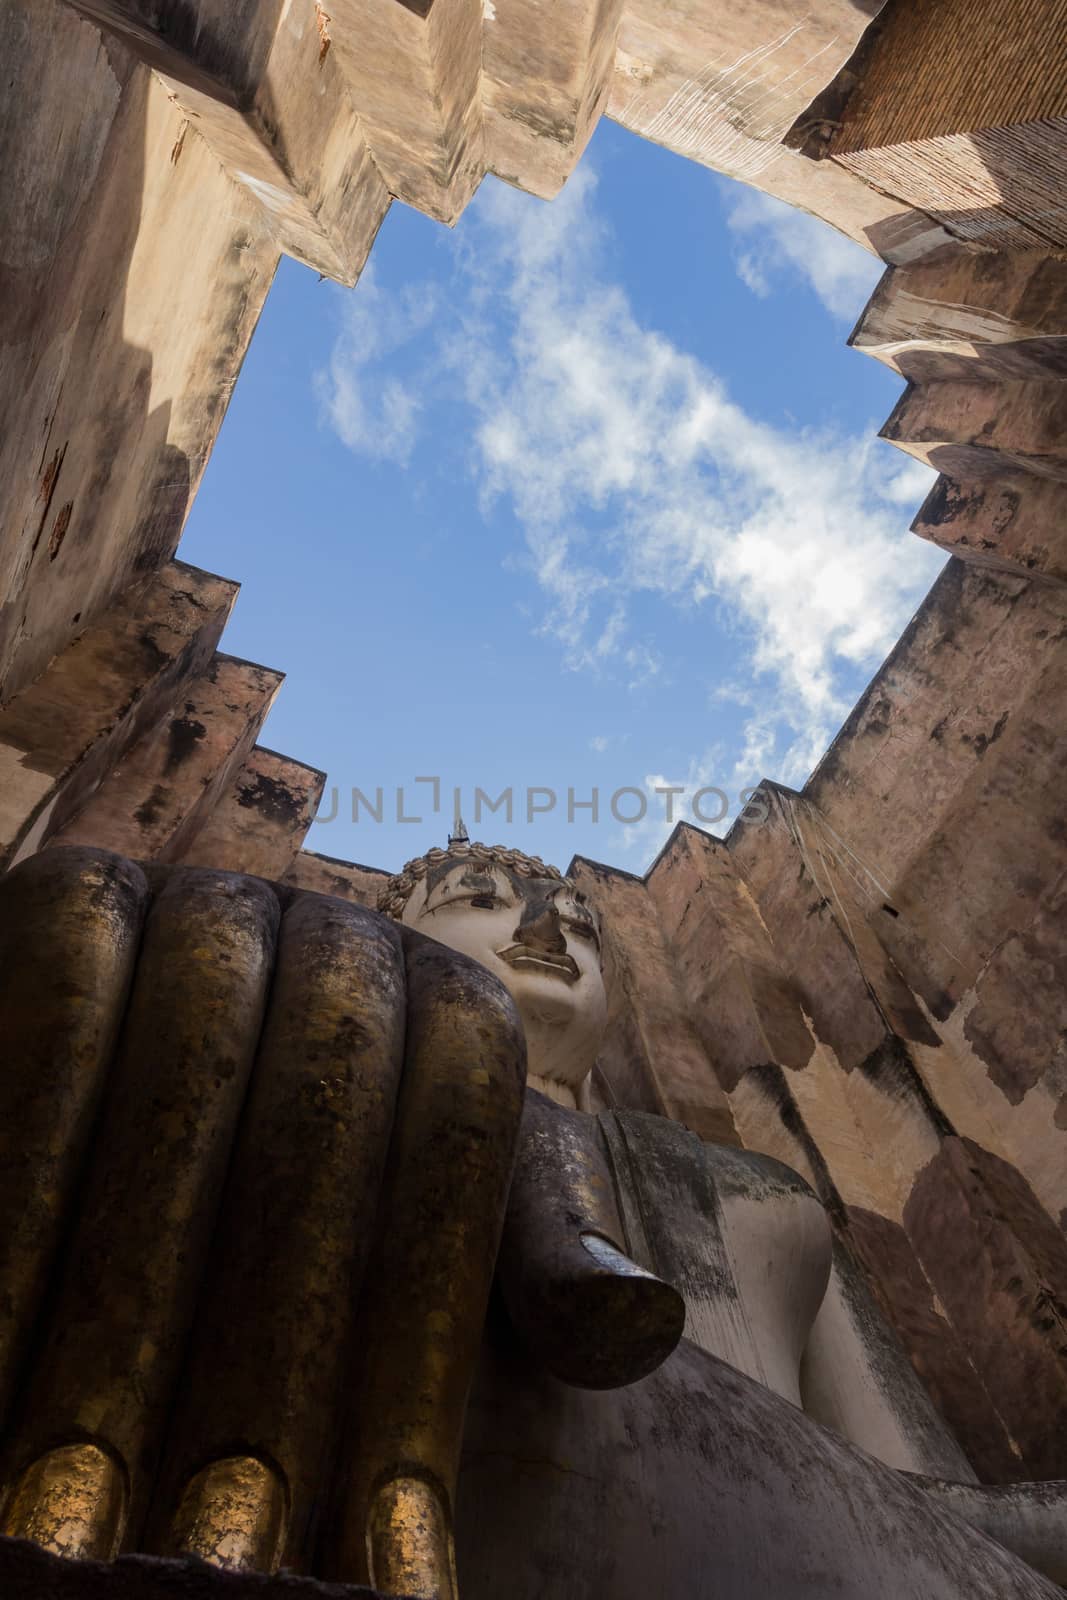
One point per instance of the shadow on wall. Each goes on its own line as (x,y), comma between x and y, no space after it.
(95,494)
(1014,169)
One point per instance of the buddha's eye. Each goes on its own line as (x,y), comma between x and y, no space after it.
(484,902)
(585,930)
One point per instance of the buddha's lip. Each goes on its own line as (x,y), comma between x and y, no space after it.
(521,955)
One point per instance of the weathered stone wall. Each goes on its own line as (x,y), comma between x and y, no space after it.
(259,825)
(140,737)
(722,85)
(980,148)
(653,1058)
(132,272)
(346,879)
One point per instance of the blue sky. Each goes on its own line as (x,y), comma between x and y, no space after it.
(580,496)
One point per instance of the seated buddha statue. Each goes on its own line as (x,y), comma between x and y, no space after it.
(257,1152)
(767,1287)
(745,1239)
(264,1152)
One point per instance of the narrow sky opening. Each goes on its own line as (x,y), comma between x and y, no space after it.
(579,500)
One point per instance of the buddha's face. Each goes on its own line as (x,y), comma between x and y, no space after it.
(539,937)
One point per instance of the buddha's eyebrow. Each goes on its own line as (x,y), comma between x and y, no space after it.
(479,881)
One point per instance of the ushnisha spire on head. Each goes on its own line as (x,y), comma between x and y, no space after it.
(459,834)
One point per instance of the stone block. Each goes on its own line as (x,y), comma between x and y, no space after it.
(933,123)
(981,875)
(304,110)
(928,75)
(936,1348)
(63,734)
(859,1130)
(259,824)
(345,879)
(155,799)
(746,1010)
(967,660)
(940,797)
(998,1265)
(814,900)
(984,429)
(652,1058)
(546,77)
(970,318)
(1015,524)
(766,1013)
(995,189)
(229,39)
(291,139)
(724,85)
(1017,1023)
(413,68)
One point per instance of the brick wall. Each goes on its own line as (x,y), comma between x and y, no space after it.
(958,65)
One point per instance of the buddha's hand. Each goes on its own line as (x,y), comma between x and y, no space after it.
(590,1314)
(213,1087)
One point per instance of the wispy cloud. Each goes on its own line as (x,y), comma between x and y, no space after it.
(372,410)
(631,471)
(776,240)
(668,801)
(630,468)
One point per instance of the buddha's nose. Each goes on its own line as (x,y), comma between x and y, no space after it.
(539,928)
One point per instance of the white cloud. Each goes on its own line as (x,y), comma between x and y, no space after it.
(909,482)
(371,410)
(752,275)
(778,236)
(669,801)
(631,471)
(643,663)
